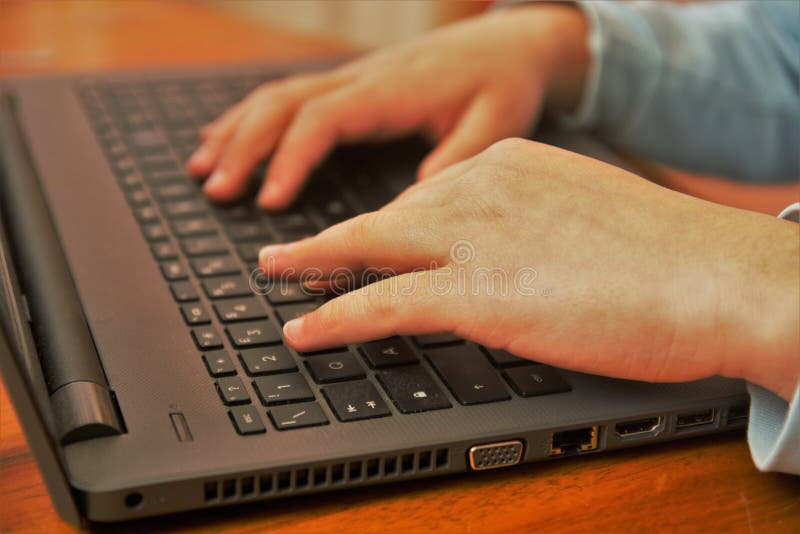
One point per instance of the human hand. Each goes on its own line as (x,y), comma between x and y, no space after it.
(466,86)
(628,279)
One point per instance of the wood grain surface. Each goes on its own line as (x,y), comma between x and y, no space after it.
(698,485)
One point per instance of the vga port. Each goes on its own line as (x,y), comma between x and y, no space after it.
(493,455)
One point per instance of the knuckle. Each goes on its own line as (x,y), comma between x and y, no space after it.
(324,318)
(314,110)
(506,147)
(380,303)
(358,230)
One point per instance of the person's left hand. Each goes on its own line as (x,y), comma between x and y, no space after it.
(563,259)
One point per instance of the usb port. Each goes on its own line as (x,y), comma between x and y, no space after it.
(694,419)
(738,414)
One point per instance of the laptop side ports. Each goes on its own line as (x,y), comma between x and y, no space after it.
(574,441)
(494,455)
(639,427)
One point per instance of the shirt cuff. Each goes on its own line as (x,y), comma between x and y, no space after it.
(791,213)
(774,430)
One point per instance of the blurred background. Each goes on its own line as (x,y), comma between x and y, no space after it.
(365,22)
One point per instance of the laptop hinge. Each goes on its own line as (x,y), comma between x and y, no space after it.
(83,406)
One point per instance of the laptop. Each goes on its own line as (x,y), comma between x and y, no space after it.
(144,357)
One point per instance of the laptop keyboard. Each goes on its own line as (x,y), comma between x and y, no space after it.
(206,253)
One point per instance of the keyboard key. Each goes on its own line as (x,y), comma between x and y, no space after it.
(154,232)
(428,340)
(203,246)
(175,191)
(249,251)
(334,367)
(193,227)
(146,214)
(248,231)
(504,358)
(219,363)
(282,389)
(246,420)
(332,210)
(164,251)
(293,311)
(353,401)
(158,177)
(533,380)
(138,197)
(185,208)
(131,180)
(243,309)
(183,291)
(226,287)
(297,416)
(206,337)
(388,353)
(412,389)
(468,374)
(195,313)
(238,212)
(232,391)
(173,270)
(292,222)
(267,360)
(155,160)
(252,334)
(285,292)
(214,266)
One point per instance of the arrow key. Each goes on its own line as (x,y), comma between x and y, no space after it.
(232,391)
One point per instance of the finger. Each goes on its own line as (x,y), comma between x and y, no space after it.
(255,136)
(347,113)
(269,113)
(389,242)
(411,303)
(482,123)
(215,136)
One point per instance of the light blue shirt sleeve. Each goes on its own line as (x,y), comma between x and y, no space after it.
(774,430)
(714,88)
(710,87)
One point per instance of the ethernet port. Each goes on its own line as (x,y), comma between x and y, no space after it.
(574,441)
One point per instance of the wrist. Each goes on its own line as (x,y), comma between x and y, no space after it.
(569,58)
(556,37)
(758,312)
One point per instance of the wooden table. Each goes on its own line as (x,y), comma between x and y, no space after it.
(701,484)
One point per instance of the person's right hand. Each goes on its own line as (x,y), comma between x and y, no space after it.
(466,86)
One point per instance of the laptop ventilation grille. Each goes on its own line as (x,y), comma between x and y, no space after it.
(289,482)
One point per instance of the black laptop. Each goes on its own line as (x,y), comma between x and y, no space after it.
(143,352)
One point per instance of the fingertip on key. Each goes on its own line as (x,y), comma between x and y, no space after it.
(292,331)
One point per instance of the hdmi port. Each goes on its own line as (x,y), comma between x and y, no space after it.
(639,427)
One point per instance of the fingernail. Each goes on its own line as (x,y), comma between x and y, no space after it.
(199,157)
(268,193)
(291,330)
(268,252)
(216,179)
